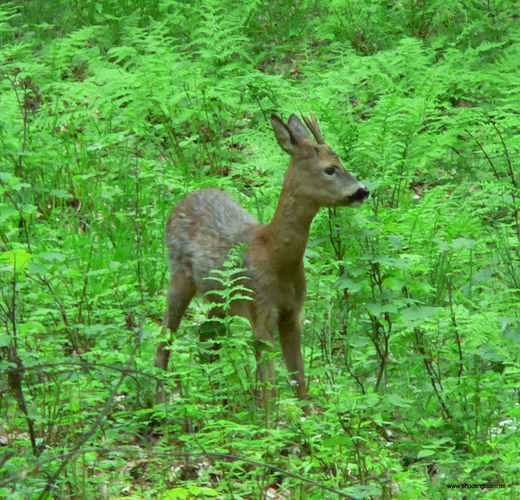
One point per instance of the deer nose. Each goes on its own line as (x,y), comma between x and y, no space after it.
(361,194)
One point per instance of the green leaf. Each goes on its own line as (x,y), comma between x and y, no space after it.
(60,193)
(432,423)
(513,333)
(396,400)
(419,313)
(341,439)
(463,243)
(488,353)
(16,259)
(425,453)
(344,282)
(189,492)
(377,309)
(53,257)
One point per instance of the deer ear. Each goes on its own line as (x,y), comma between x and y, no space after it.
(283,135)
(297,129)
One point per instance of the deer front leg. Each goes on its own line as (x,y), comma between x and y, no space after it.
(290,338)
(264,367)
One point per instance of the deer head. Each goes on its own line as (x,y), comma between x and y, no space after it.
(315,172)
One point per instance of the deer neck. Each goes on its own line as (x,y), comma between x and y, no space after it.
(287,234)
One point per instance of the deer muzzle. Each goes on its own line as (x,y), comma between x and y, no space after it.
(358,197)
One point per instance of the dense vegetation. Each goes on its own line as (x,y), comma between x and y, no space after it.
(112,110)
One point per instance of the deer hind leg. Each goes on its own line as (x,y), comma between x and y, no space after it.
(210,335)
(181,291)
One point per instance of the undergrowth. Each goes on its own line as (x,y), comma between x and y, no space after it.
(113,110)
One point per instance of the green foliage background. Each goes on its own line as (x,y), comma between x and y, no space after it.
(111,111)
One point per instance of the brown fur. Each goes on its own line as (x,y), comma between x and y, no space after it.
(206,224)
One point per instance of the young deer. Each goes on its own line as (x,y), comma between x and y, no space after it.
(206,224)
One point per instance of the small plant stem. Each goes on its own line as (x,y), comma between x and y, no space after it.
(14,375)
(456,329)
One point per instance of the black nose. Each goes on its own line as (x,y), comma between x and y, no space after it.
(360,195)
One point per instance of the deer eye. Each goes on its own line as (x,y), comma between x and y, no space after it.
(330,170)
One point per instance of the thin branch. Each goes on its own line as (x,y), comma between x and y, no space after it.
(481,147)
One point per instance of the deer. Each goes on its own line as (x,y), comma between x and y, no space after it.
(206,224)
